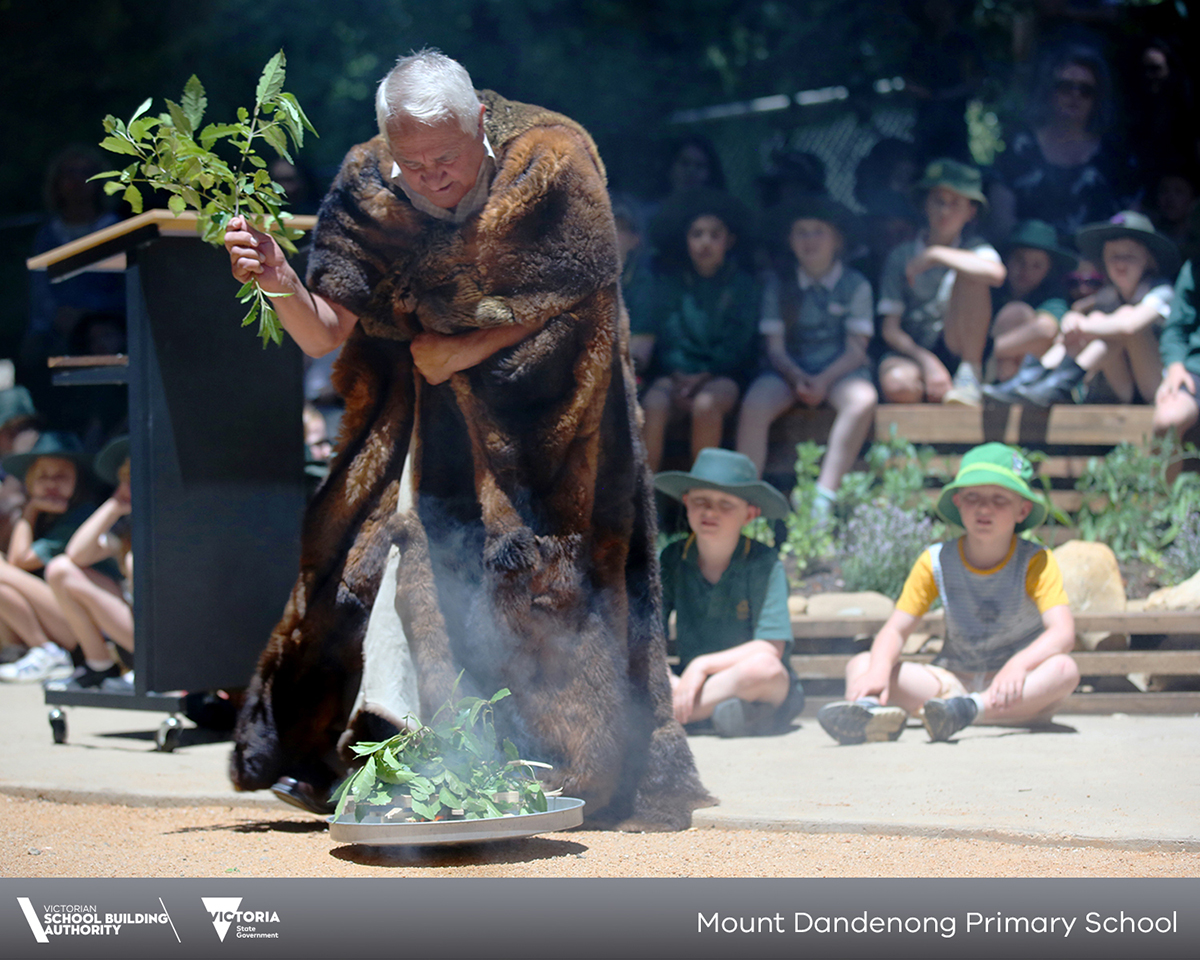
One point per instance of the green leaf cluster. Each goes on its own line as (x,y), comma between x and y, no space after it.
(807,540)
(452,764)
(1130,504)
(176,153)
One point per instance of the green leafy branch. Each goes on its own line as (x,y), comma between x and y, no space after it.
(174,154)
(451,765)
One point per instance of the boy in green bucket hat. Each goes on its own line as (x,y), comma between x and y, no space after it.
(1009,630)
(729,594)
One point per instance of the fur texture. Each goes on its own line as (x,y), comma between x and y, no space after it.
(529,561)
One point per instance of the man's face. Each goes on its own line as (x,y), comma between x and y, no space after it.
(990,510)
(1027,268)
(708,240)
(439,162)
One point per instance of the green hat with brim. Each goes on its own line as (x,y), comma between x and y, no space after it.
(15,403)
(1128,225)
(995,463)
(959,177)
(729,472)
(108,461)
(1039,235)
(53,443)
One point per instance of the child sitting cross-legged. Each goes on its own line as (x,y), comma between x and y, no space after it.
(729,595)
(1009,630)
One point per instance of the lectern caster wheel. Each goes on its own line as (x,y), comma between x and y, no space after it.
(58,725)
(167,737)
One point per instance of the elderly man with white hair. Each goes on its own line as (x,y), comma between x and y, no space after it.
(488,511)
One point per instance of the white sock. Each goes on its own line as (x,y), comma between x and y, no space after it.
(978,698)
(968,371)
(53,649)
(99,665)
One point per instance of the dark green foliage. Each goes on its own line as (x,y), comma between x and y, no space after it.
(452,764)
(1130,505)
(174,154)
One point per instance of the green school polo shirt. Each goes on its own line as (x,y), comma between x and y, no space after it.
(749,602)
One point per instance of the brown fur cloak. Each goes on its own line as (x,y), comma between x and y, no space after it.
(529,561)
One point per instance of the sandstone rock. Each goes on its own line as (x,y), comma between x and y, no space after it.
(1182,596)
(867,603)
(1092,579)
(797,605)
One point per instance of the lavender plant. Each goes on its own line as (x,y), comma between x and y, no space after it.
(882,542)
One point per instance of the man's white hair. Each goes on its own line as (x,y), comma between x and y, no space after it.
(430,88)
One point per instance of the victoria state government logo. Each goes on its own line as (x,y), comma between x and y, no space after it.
(226,912)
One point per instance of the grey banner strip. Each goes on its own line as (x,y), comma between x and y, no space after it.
(452,918)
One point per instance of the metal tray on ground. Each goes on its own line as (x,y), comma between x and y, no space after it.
(562,813)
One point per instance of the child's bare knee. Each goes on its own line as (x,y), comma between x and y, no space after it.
(60,571)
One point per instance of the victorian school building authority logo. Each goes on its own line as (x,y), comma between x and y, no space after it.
(85,920)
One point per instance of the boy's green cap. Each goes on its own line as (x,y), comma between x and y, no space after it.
(1131,225)
(729,472)
(995,463)
(53,443)
(108,461)
(959,177)
(1039,235)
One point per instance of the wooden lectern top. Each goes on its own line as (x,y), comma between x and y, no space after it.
(105,249)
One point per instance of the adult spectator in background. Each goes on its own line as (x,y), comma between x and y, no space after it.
(1062,167)
(637,285)
(891,166)
(944,71)
(1161,109)
(1033,299)
(297,183)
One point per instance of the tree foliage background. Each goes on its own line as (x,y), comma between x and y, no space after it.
(620,67)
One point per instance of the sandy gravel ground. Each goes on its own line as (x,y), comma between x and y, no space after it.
(47,839)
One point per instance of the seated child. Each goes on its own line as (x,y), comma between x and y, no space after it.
(816,324)
(1009,629)
(935,296)
(91,598)
(704,318)
(729,594)
(51,472)
(1033,300)
(1175,404)
(1114,332)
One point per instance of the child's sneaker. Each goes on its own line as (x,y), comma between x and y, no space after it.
(85,678)
(862,721)
(743,718)
(47,662)
(944,718)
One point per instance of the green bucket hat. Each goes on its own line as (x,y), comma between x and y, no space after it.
(15,403)
(108,461)
(959,177)
(1128,224)
(729,472)
(995,463)
(53,443)
(1039,235)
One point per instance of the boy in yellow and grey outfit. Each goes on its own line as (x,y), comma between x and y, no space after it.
(1009,629)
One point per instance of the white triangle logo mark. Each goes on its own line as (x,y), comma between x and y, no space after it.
(221,909)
